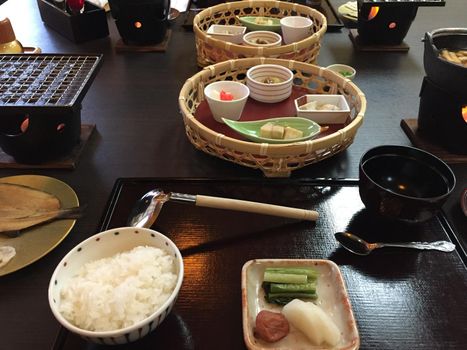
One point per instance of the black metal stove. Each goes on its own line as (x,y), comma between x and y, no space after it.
(388,21)
(442,115)
(40,104)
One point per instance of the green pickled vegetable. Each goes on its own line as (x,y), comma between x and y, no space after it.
(292,288)
(345,73)
(284,298)
(309,271)
(283,284)
(278,277)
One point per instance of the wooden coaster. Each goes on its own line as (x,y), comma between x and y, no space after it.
(68,162)
(410,127)
(120,46)
(359,46)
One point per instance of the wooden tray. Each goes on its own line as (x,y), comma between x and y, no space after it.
(393,292)
(410,127)
(255,110)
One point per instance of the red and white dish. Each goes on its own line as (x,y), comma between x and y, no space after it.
(332,298)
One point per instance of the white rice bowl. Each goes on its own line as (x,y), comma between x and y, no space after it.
(117,286)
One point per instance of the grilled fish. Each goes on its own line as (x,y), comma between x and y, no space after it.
(22,207)
(6,254)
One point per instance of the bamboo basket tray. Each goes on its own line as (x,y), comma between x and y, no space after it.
(211,50)
(275,160)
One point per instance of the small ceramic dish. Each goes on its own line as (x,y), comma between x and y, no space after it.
(349,11)
(343,69)
(306,107)
(31,50)
(332,298)
(252,130)
(233,34)
(228,109)
(262,38)
(173,14)
(269,83)
(261,23)
(296,28)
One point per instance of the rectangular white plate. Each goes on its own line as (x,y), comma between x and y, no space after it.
(332,298)
(233,34)
(323,116)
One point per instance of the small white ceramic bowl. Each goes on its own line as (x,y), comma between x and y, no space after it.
(262,38)
(296,28)
(338,116)
(233,34)
(106,244)
(343,70)
(226,109)
(262,91)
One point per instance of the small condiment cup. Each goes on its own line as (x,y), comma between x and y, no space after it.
(296,28)
(343,69)
(262,38)
(226,109)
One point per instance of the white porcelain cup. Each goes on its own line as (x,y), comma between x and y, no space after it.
(296,28)
(226,109)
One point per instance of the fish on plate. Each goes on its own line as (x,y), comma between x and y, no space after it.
(22,207)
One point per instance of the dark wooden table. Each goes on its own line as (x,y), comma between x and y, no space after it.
(140,133)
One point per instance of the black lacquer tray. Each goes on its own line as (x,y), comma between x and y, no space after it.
(401,299)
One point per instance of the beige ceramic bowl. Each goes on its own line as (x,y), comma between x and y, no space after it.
(106,244)
(262,38)
(269,92)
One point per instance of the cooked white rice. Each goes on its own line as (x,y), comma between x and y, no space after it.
(118,291)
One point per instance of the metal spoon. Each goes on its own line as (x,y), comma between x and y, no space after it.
(147,208)
(359,246)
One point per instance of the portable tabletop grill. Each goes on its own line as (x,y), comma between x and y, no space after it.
(442,115)
(388,21)
(40,103)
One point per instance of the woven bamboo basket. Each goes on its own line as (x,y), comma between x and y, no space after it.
(275,160)
(211,50)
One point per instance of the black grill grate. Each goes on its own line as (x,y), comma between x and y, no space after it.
(44,80)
